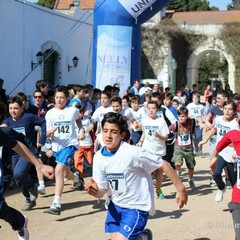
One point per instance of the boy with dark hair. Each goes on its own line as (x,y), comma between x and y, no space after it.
(126,170)
(184,130)
(61,128)
(168,99)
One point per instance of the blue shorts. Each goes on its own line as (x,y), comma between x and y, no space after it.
(129,222)
(65,155)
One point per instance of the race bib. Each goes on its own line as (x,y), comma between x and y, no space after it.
(184,138)
(149,131)
(20,130)
(64,129)
(117,183)
(222,130)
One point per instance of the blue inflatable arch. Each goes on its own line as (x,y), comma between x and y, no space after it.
(117,39)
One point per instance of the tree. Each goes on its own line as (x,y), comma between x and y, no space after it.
(46,3)
(234,5)
(190,5)
(211,64)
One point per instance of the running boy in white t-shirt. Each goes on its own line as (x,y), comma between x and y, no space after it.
(61,127)
(155,133)
(222,125)
(126,170)
(196,111)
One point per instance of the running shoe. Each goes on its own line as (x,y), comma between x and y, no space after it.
(147,234)
(23,233)
(29,205)
(41,190)
(192,184)
(212,182)
(219,195)
(78,182)
(54,209)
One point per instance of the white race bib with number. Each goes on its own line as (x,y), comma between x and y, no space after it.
(64,129)
(149,133)
(20,130)
(184,138)
(117,183)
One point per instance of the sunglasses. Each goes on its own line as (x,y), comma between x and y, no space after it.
(37,96)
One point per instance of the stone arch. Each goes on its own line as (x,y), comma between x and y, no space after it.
(195,59)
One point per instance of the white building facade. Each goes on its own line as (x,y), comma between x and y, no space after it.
(27,29)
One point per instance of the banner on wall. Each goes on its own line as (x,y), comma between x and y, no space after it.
(135,8)
(114,56)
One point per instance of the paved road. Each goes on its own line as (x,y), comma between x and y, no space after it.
(83,218)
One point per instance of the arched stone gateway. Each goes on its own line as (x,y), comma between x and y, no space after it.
(209,24)
(197,56)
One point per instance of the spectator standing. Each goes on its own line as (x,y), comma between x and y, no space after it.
(207,95)
(228,90)
(135,88)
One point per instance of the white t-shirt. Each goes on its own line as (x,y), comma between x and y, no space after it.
(138,115)
(65,120)
(87,142)
(99,114)
(195,110)
(151,142)
(222,128)
(128,175)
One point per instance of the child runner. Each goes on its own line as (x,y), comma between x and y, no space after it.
(18,221)
(168,101)
(126,170)
(61,127)
(184,130)
(25,123)
(222,125)
(155,133)
(196,110)
(137,113)
(85,151)
(232,137)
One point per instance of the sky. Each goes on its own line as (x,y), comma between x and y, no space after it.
(221,4)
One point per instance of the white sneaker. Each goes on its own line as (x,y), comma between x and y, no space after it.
(219,195)
(54,209)
(76,178)
(23,233)
(41,190)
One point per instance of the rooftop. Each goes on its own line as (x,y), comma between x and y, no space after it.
(67,4)
(207,17)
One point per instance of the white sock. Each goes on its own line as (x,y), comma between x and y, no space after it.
(41,183)
(57,200)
